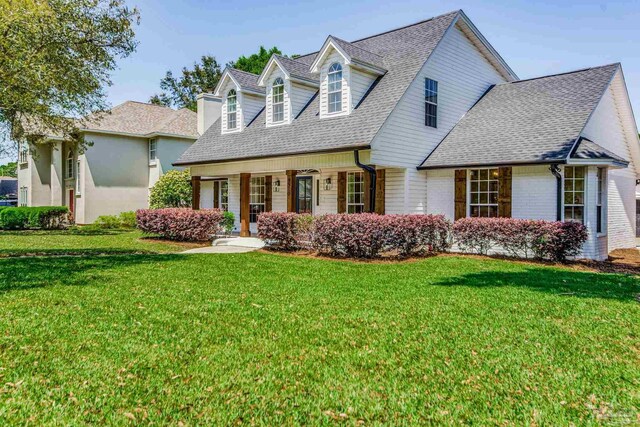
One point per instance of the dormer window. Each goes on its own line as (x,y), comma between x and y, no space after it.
(277,100)
(335,88)
(231,110)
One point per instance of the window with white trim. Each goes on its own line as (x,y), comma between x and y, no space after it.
(431,103)
(78,177)
(601,200)
(69,166)
(153,153)
(256,197)
(277,100)
(23,155)
(574,188)
(224,195)
(355,192)
(22,196)
(483,193)
(334,88)
(231,110)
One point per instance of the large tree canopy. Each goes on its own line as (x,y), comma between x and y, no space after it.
(56,57)
(10,169)
(181,91)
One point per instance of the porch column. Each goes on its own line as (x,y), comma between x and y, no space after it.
(245,183)
(291,190)
(195,192)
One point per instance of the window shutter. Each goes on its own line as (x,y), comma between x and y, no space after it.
(216,194)
(195,192)
(380,186)
(460,193)
(267,193)
(245,183)
(342,192)
(291,190)
(504,192)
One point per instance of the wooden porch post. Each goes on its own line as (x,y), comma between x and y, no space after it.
(245,182)
(195,192)
(291,190)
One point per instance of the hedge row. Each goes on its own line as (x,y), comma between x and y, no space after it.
(23,217)
(356,236)
(182,224)
(368,235)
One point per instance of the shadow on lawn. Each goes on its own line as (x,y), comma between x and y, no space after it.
(556,282)
(29,273)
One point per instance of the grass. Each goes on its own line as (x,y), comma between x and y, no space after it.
(270,340)
(82,241)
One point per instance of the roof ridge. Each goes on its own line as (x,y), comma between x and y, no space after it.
(245,72)
(581,70)
(143,103)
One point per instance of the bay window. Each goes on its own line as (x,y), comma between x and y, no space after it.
(355,192)
(574,188)
(483,193)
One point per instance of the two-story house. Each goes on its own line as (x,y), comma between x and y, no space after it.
(128,150)
(426,118)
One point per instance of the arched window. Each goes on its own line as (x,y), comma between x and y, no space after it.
(231,109)
(335,88)
(70,164)
(277,100)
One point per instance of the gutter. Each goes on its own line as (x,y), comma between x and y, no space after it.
(555,170)
(372,184)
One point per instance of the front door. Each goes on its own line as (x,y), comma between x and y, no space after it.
(304,198)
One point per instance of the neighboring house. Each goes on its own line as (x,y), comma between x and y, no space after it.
(8,191)
(425,119)
(129,149)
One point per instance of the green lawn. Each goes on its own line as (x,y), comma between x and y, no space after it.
(271,340)
(89,241)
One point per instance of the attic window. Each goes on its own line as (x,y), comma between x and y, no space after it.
(277,100)
(231,110)
(335,88)
(431,103)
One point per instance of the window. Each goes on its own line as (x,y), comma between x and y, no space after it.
(78,177)
(24,153)
(69,171)
(601,199)
(335,88)
(483,192)
(22,196)
(355,192)
(224,195)
(231,110)
(256,198)
(153,144)
(431,103)
(277,100)
(574,193)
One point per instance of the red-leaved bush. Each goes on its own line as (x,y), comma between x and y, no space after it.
(521,237)
(180,223)
(355,236)
(284,230)
(416,234)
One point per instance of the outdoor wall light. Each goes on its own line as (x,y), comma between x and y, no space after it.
(276,186)
(327,184)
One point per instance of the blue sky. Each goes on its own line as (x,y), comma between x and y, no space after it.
(534,37)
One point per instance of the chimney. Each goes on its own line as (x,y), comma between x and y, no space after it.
(209,110)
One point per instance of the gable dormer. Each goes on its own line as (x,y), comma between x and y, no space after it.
(346,72)
(289,86)
(242,99)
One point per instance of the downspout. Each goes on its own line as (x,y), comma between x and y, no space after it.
(555,170)
(372,173)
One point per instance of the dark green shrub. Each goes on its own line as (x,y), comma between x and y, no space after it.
(228,222)
(127,219)
(22,218)
(173,190)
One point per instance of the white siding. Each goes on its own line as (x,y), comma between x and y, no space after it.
(333,57)
(277,72)
(394,191)
(360,84)
(251,107)
(605,128)
(533,193)
(300,96)
(441,193)
(279,198)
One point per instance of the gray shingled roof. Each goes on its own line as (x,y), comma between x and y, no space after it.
(527,121)
(405,50)
(246,80)
(296,68)
(142,119)
(360,54)
(589,150)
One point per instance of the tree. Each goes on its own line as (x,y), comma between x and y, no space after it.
(173,190)
(56,57)
(10,169)
(181,91)
(256,62)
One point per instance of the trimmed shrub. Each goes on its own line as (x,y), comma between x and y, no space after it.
(228,222)
(283,230)
(552,240)
(22,218)
(124,220)
(173,190)
(417,234)
(354,236)
(180,223)
(127,219)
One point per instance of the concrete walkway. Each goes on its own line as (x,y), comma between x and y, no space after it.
(229,245)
